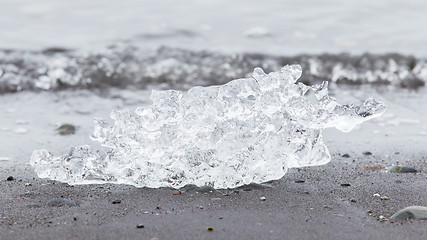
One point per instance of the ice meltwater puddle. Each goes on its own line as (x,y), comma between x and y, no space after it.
(246,131)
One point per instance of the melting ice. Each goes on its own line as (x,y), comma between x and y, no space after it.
(246,131)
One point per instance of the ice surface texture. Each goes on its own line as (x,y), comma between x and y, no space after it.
(248,130)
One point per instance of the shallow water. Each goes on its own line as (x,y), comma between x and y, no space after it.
(277,27)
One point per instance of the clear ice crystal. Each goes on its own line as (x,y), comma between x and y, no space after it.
(246,131)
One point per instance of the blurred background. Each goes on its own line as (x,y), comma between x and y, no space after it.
(52,44)
(283,27)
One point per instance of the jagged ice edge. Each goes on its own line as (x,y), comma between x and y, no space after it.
(312,113)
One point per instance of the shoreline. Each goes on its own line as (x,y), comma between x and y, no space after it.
(332,201)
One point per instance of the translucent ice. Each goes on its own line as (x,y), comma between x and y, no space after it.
(248,130)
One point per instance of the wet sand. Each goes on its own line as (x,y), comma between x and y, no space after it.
(334,201)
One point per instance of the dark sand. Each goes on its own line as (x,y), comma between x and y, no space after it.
(318,208)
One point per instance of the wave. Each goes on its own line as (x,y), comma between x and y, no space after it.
(125,65)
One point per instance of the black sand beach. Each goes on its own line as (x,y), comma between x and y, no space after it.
(334,201)
(64,63)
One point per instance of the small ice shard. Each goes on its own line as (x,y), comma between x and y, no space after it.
(246,131)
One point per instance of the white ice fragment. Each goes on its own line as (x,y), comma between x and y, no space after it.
(246,131)
(294,71)
(321,90)
(44,82)
(345,119)
(258,74)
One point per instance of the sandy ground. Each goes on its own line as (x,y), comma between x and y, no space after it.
(318,208)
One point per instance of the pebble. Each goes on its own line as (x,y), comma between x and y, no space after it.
(400,169)
(117,201)
(384,198)
(10,178)
(139,226)
(345,185)
(210,229)
(376,195)
(367,153)
(176,193)
(412,212)
(61,202)
(299,181)
(372,167)
(262,198)
(345,155)
(66,129)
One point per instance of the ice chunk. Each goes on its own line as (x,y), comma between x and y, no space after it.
(246,131)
